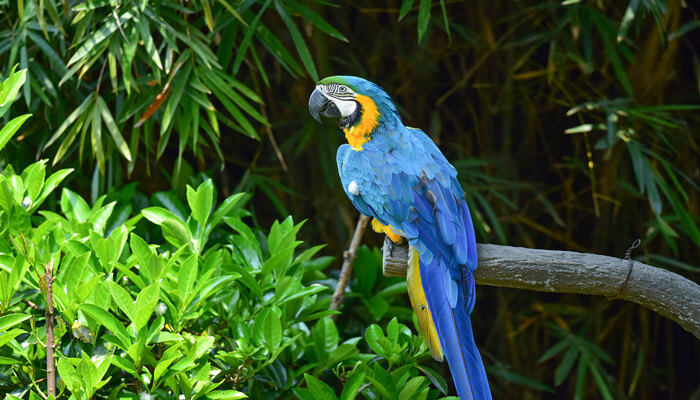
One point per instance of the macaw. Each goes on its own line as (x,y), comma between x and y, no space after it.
(398,177)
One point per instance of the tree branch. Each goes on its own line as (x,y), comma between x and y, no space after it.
(50,366)
(667,293)
(348,258)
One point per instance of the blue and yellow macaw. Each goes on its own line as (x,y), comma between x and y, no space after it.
(397,176)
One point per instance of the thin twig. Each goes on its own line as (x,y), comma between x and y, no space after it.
(30,304)
(50,366)
(348,259)
(276,148)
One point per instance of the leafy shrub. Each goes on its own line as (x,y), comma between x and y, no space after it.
(209,309)
(185,316)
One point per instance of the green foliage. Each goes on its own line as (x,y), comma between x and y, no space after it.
(149,69)
(187,317)
(215,311)
(8,91)
(571,124)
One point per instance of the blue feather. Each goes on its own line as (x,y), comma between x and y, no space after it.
(404,181)
(454,330)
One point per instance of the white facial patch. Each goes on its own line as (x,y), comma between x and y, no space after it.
(346,105)
(353,189)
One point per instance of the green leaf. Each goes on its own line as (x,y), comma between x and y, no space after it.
(607,35)
(74,206)
(298,41)
(303,394)
(158,215)
(405,8)
(554,350)
(411,388)
(178,88)
(176,233)
(7,194)
(186,278)
(80,111)
(377,341)
(315,19)
(10,128)
(248,37)
(272,331)
(171,202)
(435,378)
(9,320)
(146,302)
(325,337)
(112,128)
(149,45)
(201,200)
(50,185)
(320,390)
(96,138)
(627,19)
(687,27)
(353,385)
(226,395)
(88,372)
(518,379)
(225,208)
(444,19)
(599,379)
(423,18)
(107,29)
(107,320)
(34,176)
(9,335)
(68,374)
(123,299)
(10,87)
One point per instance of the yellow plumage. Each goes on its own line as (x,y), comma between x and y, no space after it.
(388,230)
(360,134)
(420,306)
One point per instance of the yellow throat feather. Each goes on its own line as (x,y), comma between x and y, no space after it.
(360,134)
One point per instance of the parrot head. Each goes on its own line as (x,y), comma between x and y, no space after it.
(356,103)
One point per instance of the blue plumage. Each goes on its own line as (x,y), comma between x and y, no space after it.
(404,181)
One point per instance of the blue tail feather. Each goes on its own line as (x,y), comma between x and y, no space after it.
(454,329)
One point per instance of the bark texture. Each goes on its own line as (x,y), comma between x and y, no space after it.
(667,293)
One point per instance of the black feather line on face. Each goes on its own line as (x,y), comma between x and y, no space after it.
(354,118)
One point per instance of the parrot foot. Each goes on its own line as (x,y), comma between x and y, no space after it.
(394,258)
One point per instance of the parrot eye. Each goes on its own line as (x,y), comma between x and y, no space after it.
(343,89)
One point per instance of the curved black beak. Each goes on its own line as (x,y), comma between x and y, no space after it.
(321,105)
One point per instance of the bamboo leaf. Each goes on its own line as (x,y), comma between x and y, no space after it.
(315,19)
(113,130)
(71,119)
(110,26)
(423,18)
(207,14)
(96,138)
(627,19)
(248,37)
(149,45)
(303,51)
(405,8)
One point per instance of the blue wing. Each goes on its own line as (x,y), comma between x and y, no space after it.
(414,189)
(409,185)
